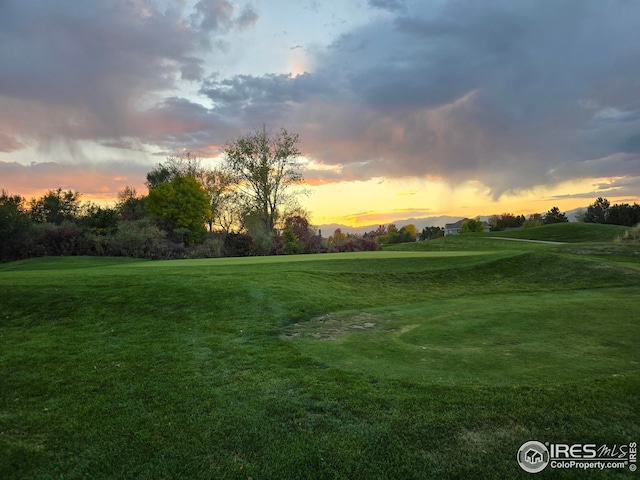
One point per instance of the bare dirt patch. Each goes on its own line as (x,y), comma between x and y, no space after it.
(331,326)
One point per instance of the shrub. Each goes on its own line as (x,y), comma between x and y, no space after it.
(211,247)
(290,241)
(531,223)
(181,235)
(355,245)
(632,235)
(472,225)
(139,239)
(278,245)
(260,244)
(94,244)
(59,240)
(237,245)
(317,244)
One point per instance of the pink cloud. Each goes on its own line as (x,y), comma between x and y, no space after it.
(95,184)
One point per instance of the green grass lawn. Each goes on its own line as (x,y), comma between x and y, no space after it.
(395,364)
(573,232)
(463,341)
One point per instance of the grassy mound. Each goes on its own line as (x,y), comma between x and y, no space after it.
(558,232)
(572,232)
(465,242)
(483,340)
(390,364)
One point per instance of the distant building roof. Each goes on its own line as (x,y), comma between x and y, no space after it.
(457,224)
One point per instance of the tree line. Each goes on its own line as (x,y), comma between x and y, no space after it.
(601,211)
(246,206)
(506,221)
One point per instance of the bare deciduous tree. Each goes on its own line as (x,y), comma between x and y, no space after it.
(264,167)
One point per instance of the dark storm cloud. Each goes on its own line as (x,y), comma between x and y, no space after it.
(619,165)
(614,130)
(391,5)
(628,187)
(496,90)
(510,93)
(177,123)
(81,70)
(268,96)
(221,16)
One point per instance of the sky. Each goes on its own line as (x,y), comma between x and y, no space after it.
(405,109)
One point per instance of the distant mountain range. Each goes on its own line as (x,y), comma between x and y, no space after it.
(420,223)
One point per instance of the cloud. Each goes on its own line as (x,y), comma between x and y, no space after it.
(617,189)
(247,92)
(221,16)
(96,70)
(390,5)
(247,18)
(616,165)
(512,94)
(614,130)
(9,143)
(103,183)
(316,177)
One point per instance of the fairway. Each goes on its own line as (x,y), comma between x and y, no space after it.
(436,361)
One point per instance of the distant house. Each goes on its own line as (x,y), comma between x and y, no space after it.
(454,228)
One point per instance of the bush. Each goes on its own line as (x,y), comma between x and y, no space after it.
(355,245)
(278,245)
(140,239)
(211,247)
(261,244)
(94,244)
(472,225)
(58,240)
(316,244)
(182,235)
(531,223)
(291,244)
(632,235)
(237,245)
